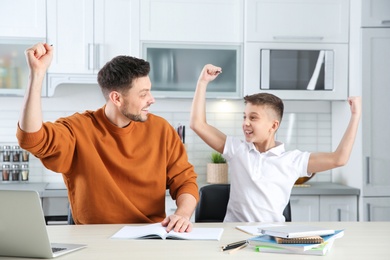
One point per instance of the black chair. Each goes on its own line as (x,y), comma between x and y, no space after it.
(70,217)
(213,203)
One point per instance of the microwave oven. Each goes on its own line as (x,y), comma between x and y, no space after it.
(297,71)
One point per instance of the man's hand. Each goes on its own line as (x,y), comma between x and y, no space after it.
(39,57)
(177,223)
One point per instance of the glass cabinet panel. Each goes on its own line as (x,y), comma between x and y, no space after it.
(13,67)
(175,69)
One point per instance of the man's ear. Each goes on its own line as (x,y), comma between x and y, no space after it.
(115,97)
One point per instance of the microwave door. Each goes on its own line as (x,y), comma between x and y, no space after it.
(314,78)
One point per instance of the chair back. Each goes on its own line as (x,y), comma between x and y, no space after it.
(213,200)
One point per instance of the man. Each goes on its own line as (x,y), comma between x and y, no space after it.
(117,161)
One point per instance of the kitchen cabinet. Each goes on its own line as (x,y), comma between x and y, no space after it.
(338,208)
(172,78)
(191,20)
(376,208)
(324,202)
(324,208)
(88,33)
(297,21)
(23,18)
(13,66)
(376,93)
(305,208)
(375,13)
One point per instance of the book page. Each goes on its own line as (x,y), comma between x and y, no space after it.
(158,231)
(146,231)
(198,234)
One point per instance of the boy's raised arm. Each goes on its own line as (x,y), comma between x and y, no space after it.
(209,134)
(319,162)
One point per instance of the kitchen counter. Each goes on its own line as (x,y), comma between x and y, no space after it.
(324,188)
(59,190)
(43,188)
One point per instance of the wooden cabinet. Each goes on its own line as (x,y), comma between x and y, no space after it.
(297,21)
(375,13)
(23,18)
(88,33)
(191,20)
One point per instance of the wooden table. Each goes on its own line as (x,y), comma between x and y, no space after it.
(362,240)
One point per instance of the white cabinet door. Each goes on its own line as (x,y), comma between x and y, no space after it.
(375,13)
(88,33)
(116,28)
(376,94)
(192,20)
(304,208)
(338,208)
(70,30)
(297,20)
(376,209)
(23,18)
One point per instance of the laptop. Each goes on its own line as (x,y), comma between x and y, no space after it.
(23,230)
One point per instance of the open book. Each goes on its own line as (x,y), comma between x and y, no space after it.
(158,231)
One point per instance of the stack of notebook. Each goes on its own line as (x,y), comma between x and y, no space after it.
(295,239)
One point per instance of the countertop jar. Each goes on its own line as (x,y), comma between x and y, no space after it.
(6,153)
(15,172)
(24,172)
(16,153)
(5,172)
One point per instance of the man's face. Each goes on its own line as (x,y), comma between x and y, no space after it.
(137,101)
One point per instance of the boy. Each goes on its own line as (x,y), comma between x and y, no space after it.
(262,172)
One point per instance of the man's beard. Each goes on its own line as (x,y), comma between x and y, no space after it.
(133,117)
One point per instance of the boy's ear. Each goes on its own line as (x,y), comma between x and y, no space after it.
(275,125)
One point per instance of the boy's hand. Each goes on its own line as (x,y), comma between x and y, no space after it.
(356,105)
(209,73)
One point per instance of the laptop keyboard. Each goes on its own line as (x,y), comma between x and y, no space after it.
(56,249)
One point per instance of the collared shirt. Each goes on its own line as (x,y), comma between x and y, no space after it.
(261,183)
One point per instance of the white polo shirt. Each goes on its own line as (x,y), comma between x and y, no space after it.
(261,183)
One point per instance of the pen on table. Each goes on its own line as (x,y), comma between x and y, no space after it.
(234,245)
(238,248)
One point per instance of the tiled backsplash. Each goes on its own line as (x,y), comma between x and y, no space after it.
(306,127)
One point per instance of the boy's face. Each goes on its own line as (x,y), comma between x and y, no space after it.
(260,123)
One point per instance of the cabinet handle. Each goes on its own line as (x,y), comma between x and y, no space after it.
(368,212)
(305,38)
(368,180)
(97,55)
(386,22)
(339,214)
(91,55)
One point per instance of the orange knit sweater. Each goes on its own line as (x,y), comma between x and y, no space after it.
(114,175)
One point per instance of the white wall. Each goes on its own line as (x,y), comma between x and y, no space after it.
(306,125)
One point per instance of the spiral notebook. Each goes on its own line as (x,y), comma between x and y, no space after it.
(300,240)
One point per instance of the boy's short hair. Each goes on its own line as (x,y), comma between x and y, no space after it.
(119,73)
(266,99)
